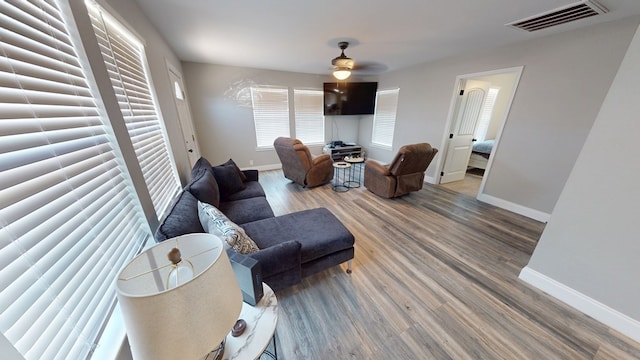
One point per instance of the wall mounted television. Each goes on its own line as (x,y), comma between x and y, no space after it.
(350,98)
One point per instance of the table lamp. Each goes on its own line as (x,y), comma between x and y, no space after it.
(183,320)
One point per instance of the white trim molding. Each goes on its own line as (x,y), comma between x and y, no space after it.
(601,312)
(264,167)
(516,208)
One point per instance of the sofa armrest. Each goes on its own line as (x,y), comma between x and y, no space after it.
(279,258)
(252,175)
(374,166)
(321,159)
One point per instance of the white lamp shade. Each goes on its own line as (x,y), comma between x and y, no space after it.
(341,73)
(185,322)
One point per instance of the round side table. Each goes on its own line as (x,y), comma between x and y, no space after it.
(354,179)
(340,171)
(261,327)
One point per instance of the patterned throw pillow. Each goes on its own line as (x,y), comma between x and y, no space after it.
(215,222)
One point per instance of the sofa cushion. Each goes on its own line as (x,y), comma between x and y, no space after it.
(246,210)
(232,164)
(228,180)
(318,231)
(181,219)
(251,189)
(216,222)
(204,187)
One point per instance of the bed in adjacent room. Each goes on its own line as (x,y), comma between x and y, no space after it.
(480,154)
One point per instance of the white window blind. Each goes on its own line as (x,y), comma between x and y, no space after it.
(485,114)
(69,217)
(270,114)
(384,120)
(124,57)
(309,116)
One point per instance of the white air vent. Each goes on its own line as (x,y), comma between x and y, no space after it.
(561,15)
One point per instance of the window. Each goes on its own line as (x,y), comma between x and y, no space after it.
(69,216)
(309,116)
(270,114)
(485,114)
(384,119)
(124,57)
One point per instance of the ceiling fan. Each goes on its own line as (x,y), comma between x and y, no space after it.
(342,65)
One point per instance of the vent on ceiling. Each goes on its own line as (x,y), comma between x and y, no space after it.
(561,15)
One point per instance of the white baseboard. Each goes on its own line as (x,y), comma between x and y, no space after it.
(263,167)
(606,315)
(516,208)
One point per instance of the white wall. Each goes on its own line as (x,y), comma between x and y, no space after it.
(590,245)
(565,79)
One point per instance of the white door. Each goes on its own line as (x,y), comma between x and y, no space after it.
(462,128)
(184,116)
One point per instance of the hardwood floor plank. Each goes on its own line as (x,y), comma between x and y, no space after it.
(435,276)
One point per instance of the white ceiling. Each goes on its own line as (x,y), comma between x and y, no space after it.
(302,35)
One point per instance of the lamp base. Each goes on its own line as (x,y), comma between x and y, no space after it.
(216,354)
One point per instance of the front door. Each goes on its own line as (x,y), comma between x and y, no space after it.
(184,116)
(461,139)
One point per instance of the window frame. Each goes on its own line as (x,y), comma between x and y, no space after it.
(67,194)
(309,115)
(387,116)
(271,119)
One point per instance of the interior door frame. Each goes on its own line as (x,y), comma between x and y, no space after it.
(453,108)
(185,124)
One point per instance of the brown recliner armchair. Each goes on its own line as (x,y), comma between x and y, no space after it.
(299,166)
(405,173)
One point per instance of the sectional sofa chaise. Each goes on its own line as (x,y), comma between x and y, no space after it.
(291,246)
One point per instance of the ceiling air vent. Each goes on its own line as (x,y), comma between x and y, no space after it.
(561,15)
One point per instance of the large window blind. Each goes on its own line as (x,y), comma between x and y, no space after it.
(384,120)
(270,114)
(309,116)
(69,217)
(124,57)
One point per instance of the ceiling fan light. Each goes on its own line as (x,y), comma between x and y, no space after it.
(341,73)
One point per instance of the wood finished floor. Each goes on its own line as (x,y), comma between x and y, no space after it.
(435,276)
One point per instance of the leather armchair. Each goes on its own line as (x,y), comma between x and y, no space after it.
(403,175)
(299,166)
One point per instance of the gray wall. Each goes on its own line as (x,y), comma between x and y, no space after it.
(564,82)
(221,106)
(591,242)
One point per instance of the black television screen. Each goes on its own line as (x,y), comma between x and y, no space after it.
(351,98)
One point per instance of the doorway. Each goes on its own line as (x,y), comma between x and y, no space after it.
(184,115)
(479,108)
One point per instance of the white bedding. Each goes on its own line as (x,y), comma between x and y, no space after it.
(478,161)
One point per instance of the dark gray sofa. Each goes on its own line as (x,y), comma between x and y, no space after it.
(292,246)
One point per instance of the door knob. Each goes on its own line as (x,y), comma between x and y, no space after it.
(190,150)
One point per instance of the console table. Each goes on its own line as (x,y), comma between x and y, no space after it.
(261,327)
(339,152)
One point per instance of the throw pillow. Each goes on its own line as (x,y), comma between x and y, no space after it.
(204,187)
(201,164)
(234,235)
(232,163)
(228,179)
